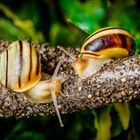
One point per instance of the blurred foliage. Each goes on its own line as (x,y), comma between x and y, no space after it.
(68,23)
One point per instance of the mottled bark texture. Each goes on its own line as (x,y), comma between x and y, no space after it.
(118,81)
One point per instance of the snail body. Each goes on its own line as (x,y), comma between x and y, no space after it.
(20,71)
(101,47)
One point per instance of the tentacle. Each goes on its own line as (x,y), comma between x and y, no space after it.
(66,52)
(56,107)
(56,70)
(54,77)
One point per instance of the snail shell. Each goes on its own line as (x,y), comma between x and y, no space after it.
(110,42)
(19,66)
(20,71)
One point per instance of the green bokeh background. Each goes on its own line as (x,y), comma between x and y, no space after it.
(68,23)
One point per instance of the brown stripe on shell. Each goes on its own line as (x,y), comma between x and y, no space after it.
(109,41)
(30,68)
(20,62)
(6,77)
(127,43)
(37,65)
(123,40)
(103,29)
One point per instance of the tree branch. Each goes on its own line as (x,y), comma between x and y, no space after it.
(118,81)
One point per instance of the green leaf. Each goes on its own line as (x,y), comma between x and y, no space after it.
(29,135)
(88,16)
(116,127)
(68,37)
(137,40)
(9,31)
(103,124)
(25,25)
(124,114)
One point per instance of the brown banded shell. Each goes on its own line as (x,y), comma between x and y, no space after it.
(110,42)
(20,71)
(19,66)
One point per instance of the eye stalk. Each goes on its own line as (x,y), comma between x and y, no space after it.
(101,47)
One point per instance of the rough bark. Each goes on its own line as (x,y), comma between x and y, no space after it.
(118,81)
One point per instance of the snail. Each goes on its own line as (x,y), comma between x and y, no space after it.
(20,71)
(101,47)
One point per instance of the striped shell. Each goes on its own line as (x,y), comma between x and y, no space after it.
(110,42)
(19,66)
(20,71)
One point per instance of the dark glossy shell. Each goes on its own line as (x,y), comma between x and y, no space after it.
(110,38)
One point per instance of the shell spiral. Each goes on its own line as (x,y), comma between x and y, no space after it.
(19,66)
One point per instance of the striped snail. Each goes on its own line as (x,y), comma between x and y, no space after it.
(101,47)
(20,71)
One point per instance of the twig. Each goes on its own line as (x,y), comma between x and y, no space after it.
(118,81)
